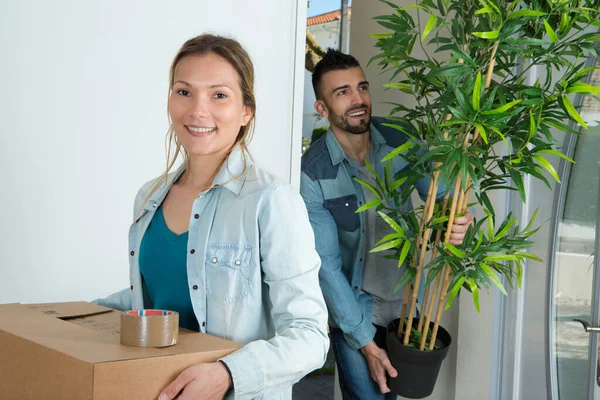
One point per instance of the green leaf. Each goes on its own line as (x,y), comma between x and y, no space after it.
(501,257)
(580,87)
(481,131)
(414,6)
(490,224)
(581,74)
(405,87)
(398,150)
(479,241)
(370,187)
(397,184)
(504,230)
(389,237)
(380,35)
(372,171)
(475,293)
(572,112)
(529,256)
(556,153)
(430,25)
(531,221)
(518,181)
(502,109)
(386,246)
(477,92)
(440,220)
(484,10)
(393,224)
(526,13)
(454,291)
(532,127)
(488,271)
(458,253)
(403,253)
(551,34)
(547,166)
(366,206)
(487,35)
(387,172)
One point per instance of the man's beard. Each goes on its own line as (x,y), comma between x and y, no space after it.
(341,121)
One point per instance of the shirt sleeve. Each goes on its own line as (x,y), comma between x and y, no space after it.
(339,296)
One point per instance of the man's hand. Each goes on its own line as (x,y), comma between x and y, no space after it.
(459,228)
(200,382)
(379,365)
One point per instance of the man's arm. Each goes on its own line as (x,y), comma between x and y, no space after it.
(341,301)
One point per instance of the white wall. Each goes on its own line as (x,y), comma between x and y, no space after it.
(83,122)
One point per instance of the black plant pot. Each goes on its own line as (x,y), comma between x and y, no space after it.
(417,370)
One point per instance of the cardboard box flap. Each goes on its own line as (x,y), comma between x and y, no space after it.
(69,310)
(100,341)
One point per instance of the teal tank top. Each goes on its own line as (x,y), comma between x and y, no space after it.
(163,266)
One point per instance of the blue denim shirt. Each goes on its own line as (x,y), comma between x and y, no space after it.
(253,276)
(332,196)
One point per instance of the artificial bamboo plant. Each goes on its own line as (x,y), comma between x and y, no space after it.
(479,125)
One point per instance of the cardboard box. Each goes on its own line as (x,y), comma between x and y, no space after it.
(72,351)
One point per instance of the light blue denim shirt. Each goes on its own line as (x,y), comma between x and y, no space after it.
(332,196)
(253,276)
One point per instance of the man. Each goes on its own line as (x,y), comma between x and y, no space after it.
(358,286)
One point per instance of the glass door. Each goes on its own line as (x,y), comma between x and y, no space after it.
(573,351)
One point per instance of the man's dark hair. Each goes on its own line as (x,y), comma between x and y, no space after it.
(333,60)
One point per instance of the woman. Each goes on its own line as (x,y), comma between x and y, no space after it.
(224,243)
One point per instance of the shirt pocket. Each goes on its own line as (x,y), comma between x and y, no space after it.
(228,275)
(343,211)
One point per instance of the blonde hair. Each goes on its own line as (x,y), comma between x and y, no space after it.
(233,52)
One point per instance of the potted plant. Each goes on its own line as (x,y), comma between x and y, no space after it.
(472,97)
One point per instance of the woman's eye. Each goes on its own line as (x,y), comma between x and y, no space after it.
(220,96)
(183,92)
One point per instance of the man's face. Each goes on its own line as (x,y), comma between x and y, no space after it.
(346,100)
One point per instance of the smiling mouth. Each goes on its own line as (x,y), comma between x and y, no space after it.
(200,129)
(359,113)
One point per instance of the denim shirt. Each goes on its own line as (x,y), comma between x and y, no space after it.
(332,196)
(253,275)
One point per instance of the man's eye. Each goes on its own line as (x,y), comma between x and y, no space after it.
(341,92)
(364,88)
(183,92)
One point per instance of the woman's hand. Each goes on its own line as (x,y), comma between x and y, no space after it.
(200,382)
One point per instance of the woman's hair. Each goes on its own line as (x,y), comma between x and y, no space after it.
(233,52)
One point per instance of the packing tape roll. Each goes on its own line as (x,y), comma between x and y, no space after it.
(149,328)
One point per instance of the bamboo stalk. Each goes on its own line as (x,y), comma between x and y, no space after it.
(428,304)
(403,313)
(434,295)
(428,204)
(417,284)
(447,269)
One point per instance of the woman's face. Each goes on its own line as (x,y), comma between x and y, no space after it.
(206,105)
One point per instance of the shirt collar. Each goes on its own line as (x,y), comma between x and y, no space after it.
(337,153)
(232,176)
